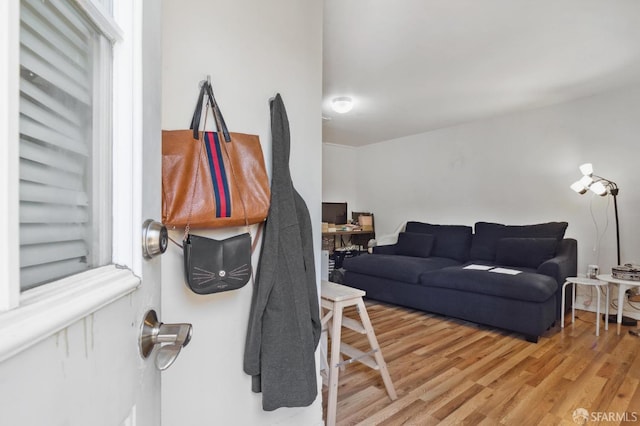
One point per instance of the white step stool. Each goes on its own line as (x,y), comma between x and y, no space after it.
(334,298)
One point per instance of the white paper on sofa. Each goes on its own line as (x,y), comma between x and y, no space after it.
(478,267)
(505,271)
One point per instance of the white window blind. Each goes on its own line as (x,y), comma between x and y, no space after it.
(60,65)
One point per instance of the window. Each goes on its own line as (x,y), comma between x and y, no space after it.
(57,118)
(65,67)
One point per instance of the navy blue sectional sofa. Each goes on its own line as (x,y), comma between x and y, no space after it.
(450,270)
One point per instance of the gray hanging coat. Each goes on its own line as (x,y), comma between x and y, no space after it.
(284,323)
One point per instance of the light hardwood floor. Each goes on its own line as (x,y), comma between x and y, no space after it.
(448,371)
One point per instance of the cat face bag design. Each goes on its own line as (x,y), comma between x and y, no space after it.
(212,266)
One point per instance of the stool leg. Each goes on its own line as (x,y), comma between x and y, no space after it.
(334,371)
(329,331)
(564,287)
(366,322)
(598,314)
(573,303)
(606,310)
(324,344)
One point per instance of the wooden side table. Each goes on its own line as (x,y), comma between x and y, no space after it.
(623,286)
(586,281)
(334,298)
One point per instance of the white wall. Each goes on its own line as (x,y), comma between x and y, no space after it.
(514,169)
(339,176)
(252,49)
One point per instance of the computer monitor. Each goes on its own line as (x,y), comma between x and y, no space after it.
(334,213)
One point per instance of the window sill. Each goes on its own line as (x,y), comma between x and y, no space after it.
(46,310)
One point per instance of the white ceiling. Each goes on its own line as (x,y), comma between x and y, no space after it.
(416,65)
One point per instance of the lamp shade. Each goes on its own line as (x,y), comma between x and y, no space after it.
(586,181)
(598,188)
(586,169)
(578,187)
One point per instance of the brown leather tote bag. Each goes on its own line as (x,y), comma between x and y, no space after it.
(212,179)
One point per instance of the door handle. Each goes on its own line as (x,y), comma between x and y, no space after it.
(169,338)
(155,238)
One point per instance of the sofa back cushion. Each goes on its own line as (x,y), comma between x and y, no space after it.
(525,252)
(414,244)
(487,235)
(452,241)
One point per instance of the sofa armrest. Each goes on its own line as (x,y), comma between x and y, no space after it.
(565,264)
(388,249)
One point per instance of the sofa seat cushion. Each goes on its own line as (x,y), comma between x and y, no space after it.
(527,285)
(395,267)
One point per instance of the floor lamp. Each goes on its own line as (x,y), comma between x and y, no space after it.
(602,187)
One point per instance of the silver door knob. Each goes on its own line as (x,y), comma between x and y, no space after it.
(169,338)
(155,238)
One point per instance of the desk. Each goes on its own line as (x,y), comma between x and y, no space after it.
(623,286)
(368,234)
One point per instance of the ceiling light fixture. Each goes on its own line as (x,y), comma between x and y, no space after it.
(342,104)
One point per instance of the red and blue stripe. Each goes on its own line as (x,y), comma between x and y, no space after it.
(218,175)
